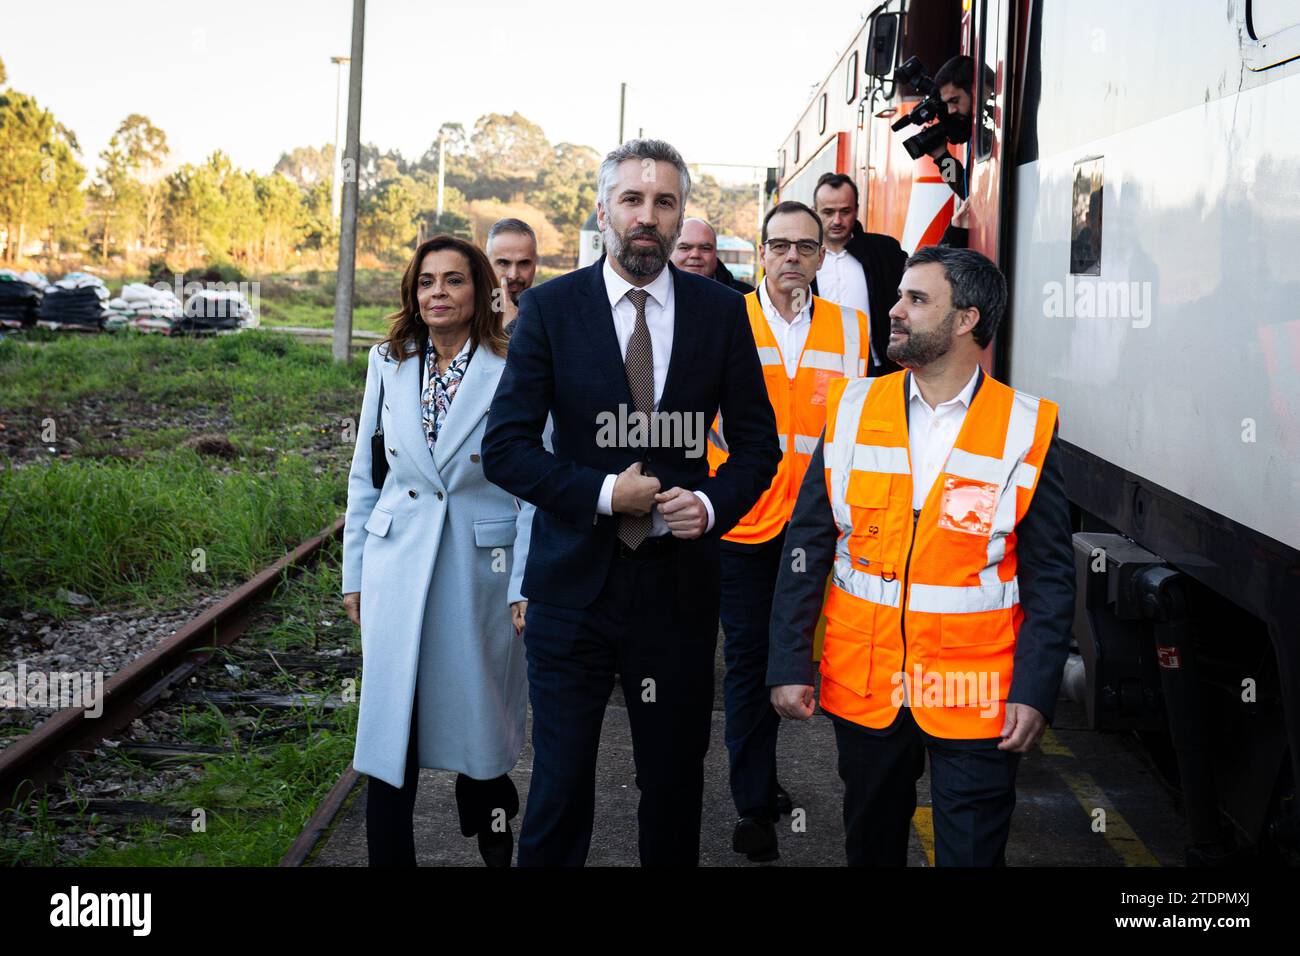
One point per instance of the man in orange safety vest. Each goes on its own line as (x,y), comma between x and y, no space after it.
(806,345)
(935,499)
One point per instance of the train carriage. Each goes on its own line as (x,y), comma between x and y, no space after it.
(1142,198)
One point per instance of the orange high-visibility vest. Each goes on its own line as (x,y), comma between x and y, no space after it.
(924,607)
(837,346)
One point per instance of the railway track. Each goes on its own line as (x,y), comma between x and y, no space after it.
(157,695)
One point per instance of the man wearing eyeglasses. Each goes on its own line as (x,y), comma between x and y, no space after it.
(804,343)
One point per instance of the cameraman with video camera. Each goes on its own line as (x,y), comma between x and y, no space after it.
(946,115)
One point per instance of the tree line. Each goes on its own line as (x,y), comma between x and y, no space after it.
(134,206)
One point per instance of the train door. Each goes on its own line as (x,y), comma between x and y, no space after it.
(986,154)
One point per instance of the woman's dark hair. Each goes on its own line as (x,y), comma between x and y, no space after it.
(407,331)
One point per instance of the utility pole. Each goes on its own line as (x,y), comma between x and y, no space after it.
(348,230)
(442,167)
(336,186)
(622,110)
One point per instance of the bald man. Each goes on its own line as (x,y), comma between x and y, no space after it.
(697,251)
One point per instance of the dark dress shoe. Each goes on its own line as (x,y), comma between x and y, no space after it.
(756,838)
(784,805)
(497,849)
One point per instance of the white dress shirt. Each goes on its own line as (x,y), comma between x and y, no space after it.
(931,433)
(842,280)
(791,336)
(659,317)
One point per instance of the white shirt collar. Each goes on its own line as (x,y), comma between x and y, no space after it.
(769,309)
(616,286)
(964,396)
(837,255)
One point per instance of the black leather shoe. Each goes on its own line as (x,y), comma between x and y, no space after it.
(784,805)
(756,838)
(497,849)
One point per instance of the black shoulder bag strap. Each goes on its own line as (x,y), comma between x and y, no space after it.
(378,461)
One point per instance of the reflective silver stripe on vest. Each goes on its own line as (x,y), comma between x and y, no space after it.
(715,435)
(891,460)
(770,355)
(825,361)
(839,449)
(803,444)
(991,471)
(940,599)
(1020,439)
(868,587)
(852,343)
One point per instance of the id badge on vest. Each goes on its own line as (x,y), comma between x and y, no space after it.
(821,382)
(967,505)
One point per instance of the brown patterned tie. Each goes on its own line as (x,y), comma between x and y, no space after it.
(640,365)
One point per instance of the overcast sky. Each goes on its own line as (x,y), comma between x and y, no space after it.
(723,80)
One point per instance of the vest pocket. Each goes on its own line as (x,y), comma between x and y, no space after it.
(868,497)
(846,651)
(980,644)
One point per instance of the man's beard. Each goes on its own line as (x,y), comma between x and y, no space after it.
(638,261)
(919,349)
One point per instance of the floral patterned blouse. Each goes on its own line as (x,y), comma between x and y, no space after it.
(439,390)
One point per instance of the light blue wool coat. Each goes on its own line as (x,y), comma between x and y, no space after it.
(438,555)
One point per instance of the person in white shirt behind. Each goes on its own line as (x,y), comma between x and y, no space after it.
(861,270)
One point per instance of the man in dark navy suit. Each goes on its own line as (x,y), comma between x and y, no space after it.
(631,358)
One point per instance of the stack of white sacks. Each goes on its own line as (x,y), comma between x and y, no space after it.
(145,308)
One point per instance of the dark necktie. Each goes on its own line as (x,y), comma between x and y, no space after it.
(640,365)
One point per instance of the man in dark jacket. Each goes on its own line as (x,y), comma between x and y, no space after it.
(861,269)
(697,251)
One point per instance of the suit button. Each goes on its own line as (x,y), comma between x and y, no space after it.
(440,496)
(413,493)
(473,458)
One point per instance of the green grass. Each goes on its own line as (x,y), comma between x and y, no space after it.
(255,804)
(365,318)
(131,533)
(119,520)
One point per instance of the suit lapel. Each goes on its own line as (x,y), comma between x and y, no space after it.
(473,397)
(598,319)
(683,306)
(403,426)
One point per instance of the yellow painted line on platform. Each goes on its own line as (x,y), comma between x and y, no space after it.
(1121,837)
(1050,745)
(923,823)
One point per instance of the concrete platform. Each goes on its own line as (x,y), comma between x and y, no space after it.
(1061,788)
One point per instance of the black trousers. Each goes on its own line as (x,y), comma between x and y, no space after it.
(749,574)
(390,811)
(972,794)
(654,624)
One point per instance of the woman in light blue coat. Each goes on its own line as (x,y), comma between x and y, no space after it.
(432,563)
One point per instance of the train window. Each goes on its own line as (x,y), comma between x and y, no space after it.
(1274,30)
(1267,17)
(1085,218)
(821,114)
(986,83)
(851,78)
(796,147)
(781,173)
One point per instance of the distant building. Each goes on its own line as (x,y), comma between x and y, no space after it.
(590,246)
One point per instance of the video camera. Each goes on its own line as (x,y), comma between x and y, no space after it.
(927,111)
